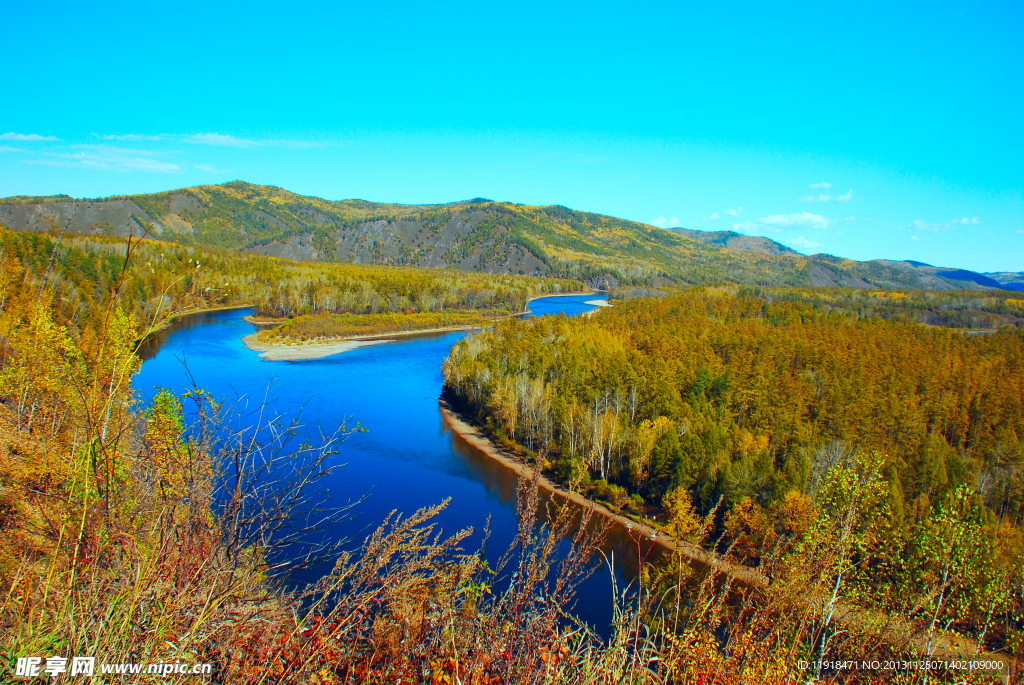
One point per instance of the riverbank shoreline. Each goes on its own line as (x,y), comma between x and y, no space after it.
(946,646)
(454,421)
(326,348)
(178,316)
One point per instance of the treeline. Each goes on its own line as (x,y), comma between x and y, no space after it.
(744,404)
(162,280)
(349,288)
(319,326)
(972,309)
(988,309)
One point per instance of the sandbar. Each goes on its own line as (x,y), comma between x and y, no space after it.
(310,350)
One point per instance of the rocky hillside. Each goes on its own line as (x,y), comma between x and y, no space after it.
(476,235)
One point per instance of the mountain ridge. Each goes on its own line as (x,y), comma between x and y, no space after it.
(476,235)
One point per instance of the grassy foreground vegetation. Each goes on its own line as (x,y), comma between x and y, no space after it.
(768,415)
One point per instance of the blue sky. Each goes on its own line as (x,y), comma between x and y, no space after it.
(864,130)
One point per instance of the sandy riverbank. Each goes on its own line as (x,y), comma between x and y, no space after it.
(313,350)
(325,348)
(694,553)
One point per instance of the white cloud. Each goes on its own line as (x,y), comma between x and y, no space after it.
(675,221)
(8,148)
(811,198)
(225,140)
(850,218)
(132,136)
(803,242)
(820,186)
(209,169)
(1020,232)
(660,222)
(751,226)
(219,140)
(105,158)
(920,226)
(729,212)
(27,137)
(845,198)
(802,219)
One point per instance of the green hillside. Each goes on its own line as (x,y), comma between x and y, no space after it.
(475,235)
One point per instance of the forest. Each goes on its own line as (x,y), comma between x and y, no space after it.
(882,529)
(164,280)
(740,404)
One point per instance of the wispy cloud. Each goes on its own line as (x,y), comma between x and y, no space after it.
(106,158)
(132,136)
(728,212)
(919,226)
(8,148)
(800,220)
(226,140)
(662,222)
(804,243)
(822,197)
(925,227)
(820,186)
(27,137)
(210,169)
(219,140)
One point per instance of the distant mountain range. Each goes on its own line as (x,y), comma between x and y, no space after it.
(478,234)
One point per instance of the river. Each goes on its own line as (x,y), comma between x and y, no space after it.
(407,459)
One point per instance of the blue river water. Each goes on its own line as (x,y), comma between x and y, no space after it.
(407,459)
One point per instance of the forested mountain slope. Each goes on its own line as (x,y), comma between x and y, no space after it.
(475,235)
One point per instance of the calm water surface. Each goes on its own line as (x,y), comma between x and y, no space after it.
(407,459)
